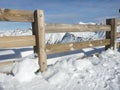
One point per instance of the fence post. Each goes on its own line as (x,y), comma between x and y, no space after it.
(34,33)
(39,31)
(112,34)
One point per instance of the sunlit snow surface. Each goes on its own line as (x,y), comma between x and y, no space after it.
(92,73)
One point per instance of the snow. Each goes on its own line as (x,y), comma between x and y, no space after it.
(91,23)
(17,32)
(71,72)
(93,73)
(25,70)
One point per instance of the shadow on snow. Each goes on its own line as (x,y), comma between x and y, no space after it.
(6,54)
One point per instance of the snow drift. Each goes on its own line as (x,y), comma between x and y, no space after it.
(25,70)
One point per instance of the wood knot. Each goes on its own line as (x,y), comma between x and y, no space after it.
(40,15)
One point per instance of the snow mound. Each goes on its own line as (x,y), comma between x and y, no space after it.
(81,65)
(58,78)
(24,71)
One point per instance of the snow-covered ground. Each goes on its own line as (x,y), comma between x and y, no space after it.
(71,72)
(68,73)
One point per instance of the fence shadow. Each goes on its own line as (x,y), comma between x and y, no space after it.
(6,54)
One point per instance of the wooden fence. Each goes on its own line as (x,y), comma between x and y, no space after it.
(39,29)
(37,39)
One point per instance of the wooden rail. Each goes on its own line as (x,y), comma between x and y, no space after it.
(17,41)
(57,28)
(16,15)
(58,48)
(118,22)
(118,44)
(118,34)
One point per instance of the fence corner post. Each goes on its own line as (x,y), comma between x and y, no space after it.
(39,32)
(111,34)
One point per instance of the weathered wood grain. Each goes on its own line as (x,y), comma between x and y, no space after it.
(40,39)
(57,28)
(58,48)
(16,15)
(17,41)
(118,21)
(118,44)
(108,34)
(34,33)
(113,33)
(118,34)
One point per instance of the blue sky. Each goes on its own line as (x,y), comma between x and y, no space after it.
(64,11)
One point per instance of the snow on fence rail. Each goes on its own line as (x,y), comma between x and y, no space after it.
(39,29)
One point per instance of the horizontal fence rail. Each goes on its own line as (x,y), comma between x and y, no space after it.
(118,22)
(17,41)
(118,44)
(57,28)
(58,48)
(118,34)
(16,15)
